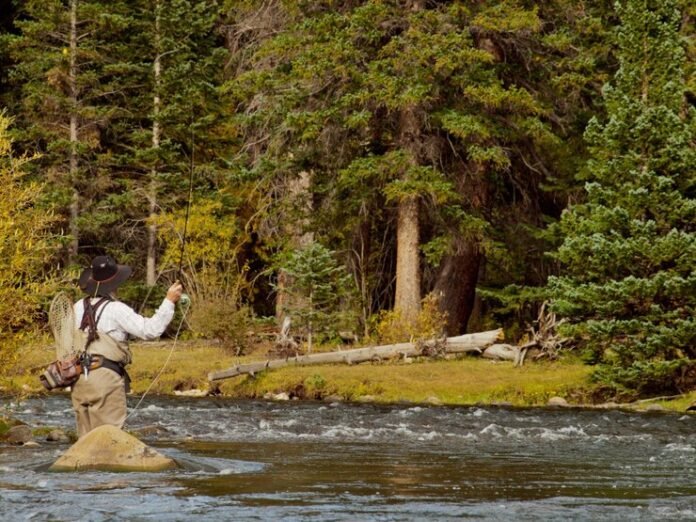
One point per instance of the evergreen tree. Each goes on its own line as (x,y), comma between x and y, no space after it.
(116,96)
(628,283)
(414,129)
(180,124)
(321,289)
(7,18)
(71,76)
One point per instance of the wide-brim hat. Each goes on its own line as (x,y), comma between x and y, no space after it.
(104,276)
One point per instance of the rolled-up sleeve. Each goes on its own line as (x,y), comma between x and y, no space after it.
(141,327)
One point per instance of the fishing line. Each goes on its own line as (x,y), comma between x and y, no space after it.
(188,204)
(184,299)
(187,304)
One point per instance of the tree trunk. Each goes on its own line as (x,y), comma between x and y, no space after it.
(360,261)
(408,275)
(407,299)
(476,342)
(150,276)
(309,323)
(72,82)
(459,269)
(455,286)
(297,191)
(502,352)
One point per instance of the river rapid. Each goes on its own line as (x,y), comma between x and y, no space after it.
(287,461)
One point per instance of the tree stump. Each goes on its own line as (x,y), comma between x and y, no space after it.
(285,346)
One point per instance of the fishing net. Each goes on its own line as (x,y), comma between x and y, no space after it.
(61,320)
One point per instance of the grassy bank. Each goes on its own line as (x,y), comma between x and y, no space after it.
(466,380)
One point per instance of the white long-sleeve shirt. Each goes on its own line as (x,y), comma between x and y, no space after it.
(118,320)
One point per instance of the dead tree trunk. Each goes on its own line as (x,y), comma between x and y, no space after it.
(72,82)
(151,270)
(475,342)
(502,352)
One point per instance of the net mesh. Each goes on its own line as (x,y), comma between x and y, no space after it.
(61,320)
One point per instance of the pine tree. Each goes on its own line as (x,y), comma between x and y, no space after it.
(414,132)
(116,136)
(181,123)
(320,288)
(71,77)
(628,282)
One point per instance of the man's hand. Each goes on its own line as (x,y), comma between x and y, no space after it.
(174,292)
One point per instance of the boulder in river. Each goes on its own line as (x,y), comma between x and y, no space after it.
(108,448)
(19,434)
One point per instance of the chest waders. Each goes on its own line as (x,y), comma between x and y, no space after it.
(101,351)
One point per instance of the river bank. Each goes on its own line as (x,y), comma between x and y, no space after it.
(465,380)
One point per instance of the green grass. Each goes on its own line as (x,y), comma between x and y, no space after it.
(468,380)
(462,381)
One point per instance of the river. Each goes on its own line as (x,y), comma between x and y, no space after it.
(303,461)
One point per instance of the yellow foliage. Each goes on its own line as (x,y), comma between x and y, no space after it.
(211,272)
(24,249)
(213,240)
(428,324)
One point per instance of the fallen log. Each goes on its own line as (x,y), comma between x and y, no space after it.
(502,352)
(475,342)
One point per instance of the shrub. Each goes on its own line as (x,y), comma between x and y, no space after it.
(25,247)
(429,324)
(223,320)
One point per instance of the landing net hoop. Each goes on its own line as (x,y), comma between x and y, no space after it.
(61,320)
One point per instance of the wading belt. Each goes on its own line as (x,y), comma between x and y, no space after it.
(99,361)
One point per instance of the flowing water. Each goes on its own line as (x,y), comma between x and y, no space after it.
(249,460)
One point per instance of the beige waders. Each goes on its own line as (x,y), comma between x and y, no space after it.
(99,399)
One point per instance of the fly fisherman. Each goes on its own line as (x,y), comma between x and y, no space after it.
(99,396)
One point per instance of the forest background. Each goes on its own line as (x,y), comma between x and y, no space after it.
(387,168)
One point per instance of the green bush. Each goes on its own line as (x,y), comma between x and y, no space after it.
(223,320)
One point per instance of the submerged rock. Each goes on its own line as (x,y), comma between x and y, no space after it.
(108,448)
(19,434)
(57,435)
(152,430)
